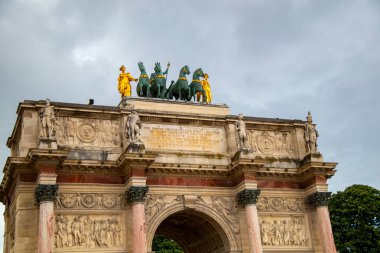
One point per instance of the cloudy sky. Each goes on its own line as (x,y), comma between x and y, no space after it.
(265,58)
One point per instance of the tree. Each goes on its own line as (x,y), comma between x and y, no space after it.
(162,244)
(355,219)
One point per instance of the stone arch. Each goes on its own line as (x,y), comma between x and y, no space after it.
(207,214)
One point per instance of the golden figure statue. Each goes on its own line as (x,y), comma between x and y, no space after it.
(206,87)
(124,85)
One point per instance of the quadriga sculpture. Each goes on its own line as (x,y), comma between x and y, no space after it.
(196,84)
(143,84)
(157,80)
(180,89)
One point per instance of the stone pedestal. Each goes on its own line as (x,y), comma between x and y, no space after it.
(319,200)
(45,196)
(46,143)
(136,147)
(136,196)
(248,198)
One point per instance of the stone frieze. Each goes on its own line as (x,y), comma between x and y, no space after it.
(89,201)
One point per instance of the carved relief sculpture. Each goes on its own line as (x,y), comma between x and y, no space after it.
(311,135)
(89,201)
(242,134)
(280,204)
(87,231)
(284,231)
(47,118)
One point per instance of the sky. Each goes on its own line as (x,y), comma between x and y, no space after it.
(265,58)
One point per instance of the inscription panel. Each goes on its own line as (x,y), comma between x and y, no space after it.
(183,138)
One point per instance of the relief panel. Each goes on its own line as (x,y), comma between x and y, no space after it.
(87,132)
(272,143)
(183,138)
(88,231)
(284,231)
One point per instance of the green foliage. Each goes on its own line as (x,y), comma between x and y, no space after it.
(162,244)
(355,219)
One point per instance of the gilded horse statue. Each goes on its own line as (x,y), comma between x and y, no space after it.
(180,89)
(143,84)
(157,81)
(196,84)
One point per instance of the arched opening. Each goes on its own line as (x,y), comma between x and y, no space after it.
(195,232)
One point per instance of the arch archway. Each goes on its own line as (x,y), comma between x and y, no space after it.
(195,232)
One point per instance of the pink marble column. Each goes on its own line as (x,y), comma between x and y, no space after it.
(319,200)
(325,230)
(253,229)
(136,197)
(46,228)
(45,196)
(139,228)
(248,199)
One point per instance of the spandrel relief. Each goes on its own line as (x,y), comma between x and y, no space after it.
(87,132)
(280,204)
(154,204)
(88,231)
(284,231)
(272,143)
(89,201)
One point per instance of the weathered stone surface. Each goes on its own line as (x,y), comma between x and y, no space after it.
(185,172)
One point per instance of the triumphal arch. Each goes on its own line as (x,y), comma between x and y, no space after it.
(91,178)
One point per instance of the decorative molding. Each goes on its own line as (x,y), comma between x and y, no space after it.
(89,201)
(136,194)
(318,199)
(248,197)
(280,204)
(88,231)
(46,192)
(284,231)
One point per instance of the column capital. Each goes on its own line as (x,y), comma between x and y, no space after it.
(46,192)
(318,199)
(136,194)
(248,197)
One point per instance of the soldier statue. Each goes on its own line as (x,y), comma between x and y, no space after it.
(124,85)
(47,117)
(311,135)
(133,127)
(242,134)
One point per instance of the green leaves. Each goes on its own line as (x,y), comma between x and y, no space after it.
(355,219)
(162,244)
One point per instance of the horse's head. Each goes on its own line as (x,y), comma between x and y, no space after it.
(198,73)
(157,67)
(185,70)
(141,66)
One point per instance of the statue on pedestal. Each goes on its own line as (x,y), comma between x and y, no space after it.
(242,134)
(311,135)
(124,85)
(47,117)
(133,127)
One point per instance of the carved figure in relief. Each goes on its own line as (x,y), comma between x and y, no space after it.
(101,132)
(133,127)
(61,232)
(311,135)
(115,133)
(47,118)
(76,230)
(154,205)
(124,85)
(285,232)
(242,133)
